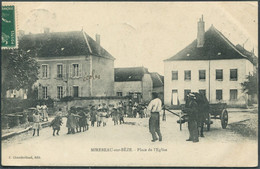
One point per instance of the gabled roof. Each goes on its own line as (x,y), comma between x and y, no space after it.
(157,79)
(251,56)
(130,74)
(216,47)
(58,44)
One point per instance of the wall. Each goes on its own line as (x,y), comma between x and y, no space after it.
(147,87)
(195,84)
(126,87)
(103,67)
(102,76)
(67,81)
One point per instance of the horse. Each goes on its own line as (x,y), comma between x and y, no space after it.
(203,110)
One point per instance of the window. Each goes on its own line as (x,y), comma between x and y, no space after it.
(174,75)
(59,71)
(75,91)
(203,92)
(233,94)
(44,92)
(233,74)
(218,94)
(119,93)
(187,75)
(75,71)
(60,92)
(186,92)
(202,74)
(219,74)
(44,71)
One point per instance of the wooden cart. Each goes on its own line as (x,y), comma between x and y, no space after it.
(217,111)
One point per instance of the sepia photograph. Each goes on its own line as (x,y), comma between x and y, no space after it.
(129,84)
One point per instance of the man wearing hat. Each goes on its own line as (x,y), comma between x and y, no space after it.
(154,107)
(191,108)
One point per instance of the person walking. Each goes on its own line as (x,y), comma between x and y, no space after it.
(93,116)
(99,116)
(36,122)
(135,109)
(154,108)
(121,114)
(105,116)
(115,115)
(191,108)
(71,121)
(56,122)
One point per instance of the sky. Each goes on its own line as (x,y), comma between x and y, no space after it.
(143,33)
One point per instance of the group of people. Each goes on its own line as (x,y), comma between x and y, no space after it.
(43,111)
(78,118)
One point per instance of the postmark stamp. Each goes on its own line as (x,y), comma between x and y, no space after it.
(9,39)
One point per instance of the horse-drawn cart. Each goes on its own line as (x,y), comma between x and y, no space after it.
(218,111)
(206,112)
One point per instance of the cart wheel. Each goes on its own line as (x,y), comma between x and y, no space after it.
(224,119)
(208,122)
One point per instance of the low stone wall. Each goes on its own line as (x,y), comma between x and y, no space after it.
(86,101)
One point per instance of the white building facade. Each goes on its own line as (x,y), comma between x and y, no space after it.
(211,65)
(205,77)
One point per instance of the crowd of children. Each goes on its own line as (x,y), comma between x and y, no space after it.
(78,118)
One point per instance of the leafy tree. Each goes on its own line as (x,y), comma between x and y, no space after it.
(250,86)
(19,70)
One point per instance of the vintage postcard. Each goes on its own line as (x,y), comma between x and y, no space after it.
(129,84)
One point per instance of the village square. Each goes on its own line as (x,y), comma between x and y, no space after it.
(68,101)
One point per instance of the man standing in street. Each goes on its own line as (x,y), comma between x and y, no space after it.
(154,108)
(191,108)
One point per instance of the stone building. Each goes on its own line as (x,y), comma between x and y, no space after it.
(211,65)
(71,64)
(135,82)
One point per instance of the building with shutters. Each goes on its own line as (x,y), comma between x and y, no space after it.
(211,65)
(71,64)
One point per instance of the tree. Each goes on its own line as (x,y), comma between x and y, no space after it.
(250,86)
(19,70)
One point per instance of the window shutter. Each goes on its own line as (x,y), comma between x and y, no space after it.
(80,70)
(56,74)
(64,91)
(81,91)
(71,94)
(40,72)
(70,69)
(64,71)
(49,71)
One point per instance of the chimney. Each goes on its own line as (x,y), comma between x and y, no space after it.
(98,38)
(46,30)
(201,33)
